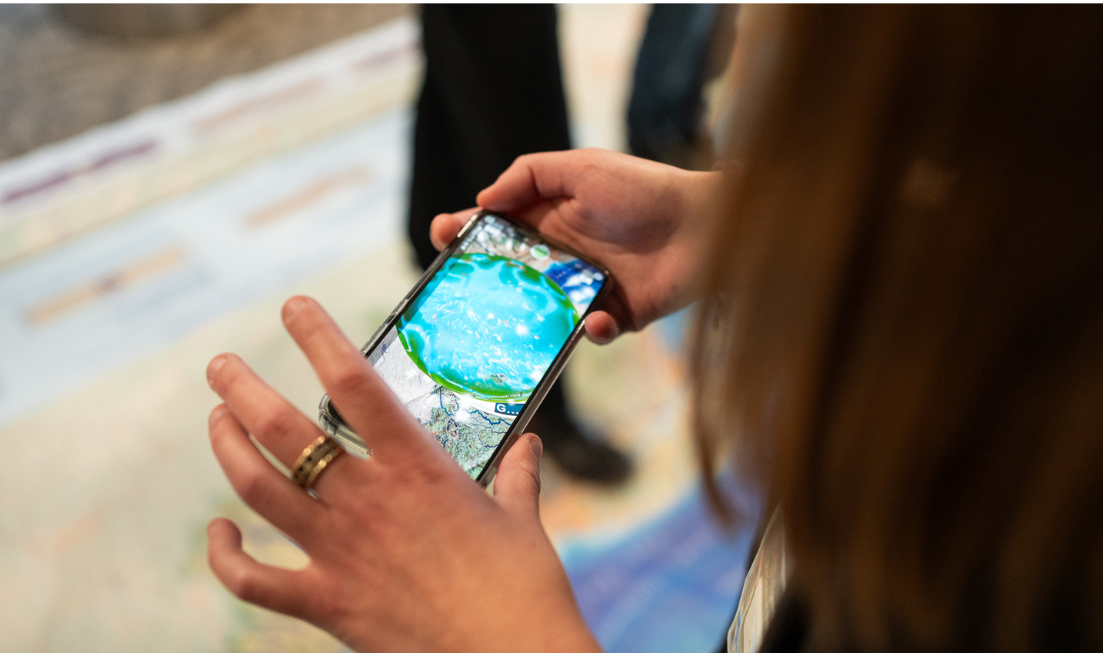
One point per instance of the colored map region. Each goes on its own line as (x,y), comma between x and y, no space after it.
(483,333)
(488,327)
(466,427)
(468,435)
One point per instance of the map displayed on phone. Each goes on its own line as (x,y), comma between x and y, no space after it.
(476,342)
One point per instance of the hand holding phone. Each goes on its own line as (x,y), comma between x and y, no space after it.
(474,347)
(643,220)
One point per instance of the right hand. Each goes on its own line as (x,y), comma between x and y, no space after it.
(407,553)
(643,220)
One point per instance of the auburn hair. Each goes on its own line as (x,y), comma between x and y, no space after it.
(908,279)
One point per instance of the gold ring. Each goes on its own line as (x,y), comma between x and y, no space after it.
(314,460)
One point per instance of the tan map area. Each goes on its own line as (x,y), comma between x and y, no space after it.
(106,491)
(106,541)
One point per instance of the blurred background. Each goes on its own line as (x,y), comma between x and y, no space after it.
(168,176)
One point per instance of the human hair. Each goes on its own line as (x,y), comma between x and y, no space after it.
(908,276)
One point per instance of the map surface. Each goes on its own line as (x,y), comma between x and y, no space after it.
(106,335)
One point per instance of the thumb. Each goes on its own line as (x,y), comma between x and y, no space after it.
(446,226)
(517,485)
(533,178)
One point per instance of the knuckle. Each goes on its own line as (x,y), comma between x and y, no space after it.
(277,425)
(431,475)
(243,585)
(252,486)
(414,471)
(349,378)
(326,603)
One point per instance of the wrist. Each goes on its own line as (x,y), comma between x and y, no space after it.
(702,195)
(701,200)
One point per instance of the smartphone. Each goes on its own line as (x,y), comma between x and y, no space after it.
(477,343)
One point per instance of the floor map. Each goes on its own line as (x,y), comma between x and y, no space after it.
(121,280)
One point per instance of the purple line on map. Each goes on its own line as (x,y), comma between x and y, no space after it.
(59,178)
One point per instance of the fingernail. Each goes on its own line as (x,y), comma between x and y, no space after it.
(213,367)
(292,306)
(537,447)
(216,412)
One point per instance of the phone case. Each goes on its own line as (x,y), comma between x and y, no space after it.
(332,423)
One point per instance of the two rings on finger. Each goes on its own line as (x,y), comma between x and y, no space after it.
(314,460)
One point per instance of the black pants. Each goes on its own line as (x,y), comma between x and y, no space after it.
(666,107)
(493,91)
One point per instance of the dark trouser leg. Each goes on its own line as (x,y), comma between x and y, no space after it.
(666,106)
(434,188)
(492,91)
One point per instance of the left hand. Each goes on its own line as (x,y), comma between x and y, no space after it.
(645,221)
(406,552)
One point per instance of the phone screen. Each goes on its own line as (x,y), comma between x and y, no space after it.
(475,343)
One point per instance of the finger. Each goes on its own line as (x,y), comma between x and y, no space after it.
(266,490)
(533,178)
(269,587)
(361,395)
(446,226)
(270,418)
(517,484)
(601,328)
